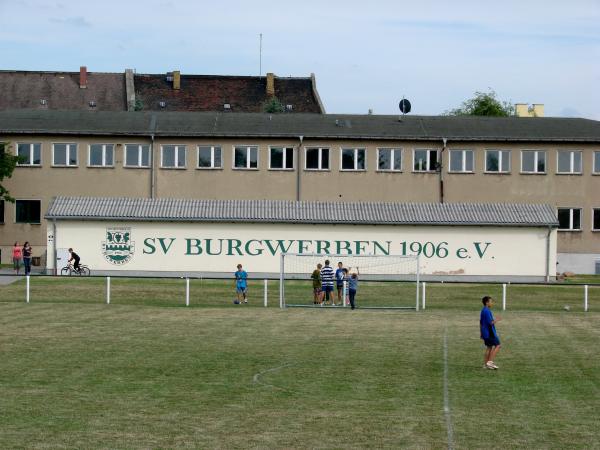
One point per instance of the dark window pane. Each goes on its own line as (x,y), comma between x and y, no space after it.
(469,161)
(491,161)
(37,154)
(596,162)
(168,156)
(541,163)
(204,157)
(109,155)
(253,157)
(596,218)
(360,163)
(131,155)
(289,158)
(60,155)
(456,161)
(420,160)
(145,155)
(217,153)
(277,158)
(564,161)
(23,151)
(576,219)
(397,159)
(240,157)
(564,219)
(312,158)
(384,162)
(432,160)
(28,211)
(348,159)
(577,162)
(72,148)
(1,211)
(180,156)
(505,161)
(325,159)
(528,164)
(95,155)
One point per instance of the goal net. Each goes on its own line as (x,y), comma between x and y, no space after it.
(383,281)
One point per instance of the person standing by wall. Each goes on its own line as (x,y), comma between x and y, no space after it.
(327,276)
(489,335)
(27,257)
(17,255)
(353,287)
(241,284)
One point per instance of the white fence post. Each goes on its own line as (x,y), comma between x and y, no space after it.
(504,297)
(585,298)
(187,292)
(108,290)
(266,288)
(423,296)
(27,288)
(344,293)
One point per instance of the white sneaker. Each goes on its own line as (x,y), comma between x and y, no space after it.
(491,365)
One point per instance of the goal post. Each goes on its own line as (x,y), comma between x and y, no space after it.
(384,281)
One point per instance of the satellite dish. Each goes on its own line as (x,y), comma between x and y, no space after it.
(404,106)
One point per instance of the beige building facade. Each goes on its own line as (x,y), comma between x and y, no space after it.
(313,158)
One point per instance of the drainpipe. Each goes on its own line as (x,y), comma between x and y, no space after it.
(54,252)
(445,142)
(298,169)
(548,254)
(152,165)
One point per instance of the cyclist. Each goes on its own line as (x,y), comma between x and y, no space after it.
(74,257)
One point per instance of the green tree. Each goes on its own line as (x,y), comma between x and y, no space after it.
(8,163)
(273,105)
(483,104)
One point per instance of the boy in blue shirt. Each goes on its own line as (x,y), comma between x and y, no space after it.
(339,281)
(489,335)
(241,284)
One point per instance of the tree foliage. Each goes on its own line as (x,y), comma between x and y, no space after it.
(8,163)
(273,105)
(484,104)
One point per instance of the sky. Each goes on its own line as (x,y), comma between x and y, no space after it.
(365,54)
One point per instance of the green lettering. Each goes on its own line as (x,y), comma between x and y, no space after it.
(377,245)
(209,247)
(360,248)
(280,246)
(323,247)
(165,249)
(196,245)
(462,253)
(345,244)
(302,247)
(257,251)
(149,242)
(231,246)
(478,248)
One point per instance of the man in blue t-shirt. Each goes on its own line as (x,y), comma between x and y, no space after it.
(489,335)
(241,284)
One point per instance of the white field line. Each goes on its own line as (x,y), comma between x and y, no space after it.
(446,395)
(257,377)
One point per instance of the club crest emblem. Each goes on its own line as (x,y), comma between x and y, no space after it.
(118,248)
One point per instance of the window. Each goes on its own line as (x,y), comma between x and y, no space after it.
(209,157)
(173,156)
(425,160)
(245,157)
(281,158)
(389,159)
(353,159)
(596,162)
(64,154)
(1,211)
(317,158)
(569,219)
(28,211)
(533,161)
(595,219)
(137,155)
(497,161)
(101,155)
(568,162)
(461,160)
(30,154)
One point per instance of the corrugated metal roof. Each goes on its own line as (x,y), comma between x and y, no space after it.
(315,126)
(191,210)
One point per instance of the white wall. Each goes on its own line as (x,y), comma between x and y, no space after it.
(183,247)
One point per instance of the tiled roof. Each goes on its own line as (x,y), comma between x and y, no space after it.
(317,126)
(212,92)
(61,91)
(190,210)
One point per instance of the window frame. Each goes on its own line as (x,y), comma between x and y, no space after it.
(31,151)
(571,218)
(536,162)
(463,153)
(248,158)
(69,146)
(2,211)
(320,149)
(212,157)
(393,151)
(284,149)
(500,160)
(429,151)
(355,151)
(176,160)
(104,152)
(596,162)
(28,200)
(571,162)
(140,148)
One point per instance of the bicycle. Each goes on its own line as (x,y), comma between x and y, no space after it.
(70,270)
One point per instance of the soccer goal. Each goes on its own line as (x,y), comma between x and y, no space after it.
(384,281)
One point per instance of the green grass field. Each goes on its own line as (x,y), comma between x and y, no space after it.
(147,372)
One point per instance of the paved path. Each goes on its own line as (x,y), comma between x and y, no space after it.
(5,280)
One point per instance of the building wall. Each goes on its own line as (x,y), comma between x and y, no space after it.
(216,248)
(45,182)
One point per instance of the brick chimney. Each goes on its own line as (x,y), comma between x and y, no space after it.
(270,84)
(176,79)
(83,77)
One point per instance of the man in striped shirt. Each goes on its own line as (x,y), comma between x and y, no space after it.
(327,276)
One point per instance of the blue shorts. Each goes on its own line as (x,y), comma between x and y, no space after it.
(492,341)
(327,288)
(242,290)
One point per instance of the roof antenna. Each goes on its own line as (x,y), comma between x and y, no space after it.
(260,56)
